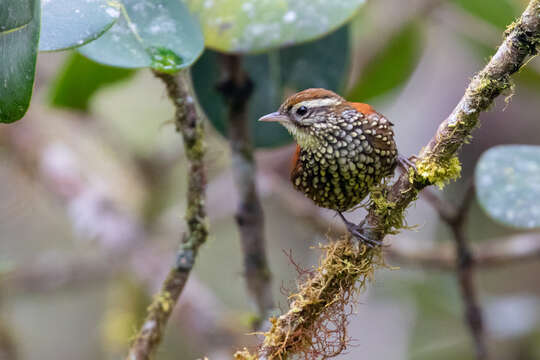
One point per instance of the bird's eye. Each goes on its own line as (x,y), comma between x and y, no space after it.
(301,111)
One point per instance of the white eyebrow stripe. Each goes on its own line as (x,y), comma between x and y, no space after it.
(318,103)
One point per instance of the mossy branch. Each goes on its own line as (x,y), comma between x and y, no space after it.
(316,323)
(437,162)
(299,329)
(190,125)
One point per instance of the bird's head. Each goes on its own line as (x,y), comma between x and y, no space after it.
(309,115)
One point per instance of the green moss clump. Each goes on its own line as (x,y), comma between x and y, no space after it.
(438,173)
(164,301)
(197,147)
(391,220)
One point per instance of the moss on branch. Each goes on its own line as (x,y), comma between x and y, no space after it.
(439,172)
(190,125)
(316,323)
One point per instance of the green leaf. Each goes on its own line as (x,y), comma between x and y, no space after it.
(508,185)
(500,13)
(67,24)
(160,34)
(18,51)
(80,78)
(15,14)
(322,63)
(255,26)
(392,66)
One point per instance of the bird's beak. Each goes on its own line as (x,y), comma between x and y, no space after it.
(275,116)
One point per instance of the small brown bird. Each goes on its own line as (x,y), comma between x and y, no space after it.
(343,148)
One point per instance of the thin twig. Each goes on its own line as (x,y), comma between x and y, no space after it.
(189,124)
(437,162)
(465,270)
(513,250)
(446,210)
(237,88)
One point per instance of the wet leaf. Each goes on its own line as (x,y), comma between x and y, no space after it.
(71,23)
(160,34)
(18,51)
(322,63)
(508,184)
(250,26)
(15,14)
(80,78)
(392,67)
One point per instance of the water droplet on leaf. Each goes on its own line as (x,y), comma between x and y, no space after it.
(164,60)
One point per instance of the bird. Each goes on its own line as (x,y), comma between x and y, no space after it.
(343,149)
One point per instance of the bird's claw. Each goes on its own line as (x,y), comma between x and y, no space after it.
(356,232)
(407,163)
(361,238)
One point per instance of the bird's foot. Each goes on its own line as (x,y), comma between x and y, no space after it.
(407,163)
(357,233)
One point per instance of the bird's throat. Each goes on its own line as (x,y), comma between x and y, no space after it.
(303,137)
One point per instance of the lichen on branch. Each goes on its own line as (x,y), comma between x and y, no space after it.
(437,172)
(190,125)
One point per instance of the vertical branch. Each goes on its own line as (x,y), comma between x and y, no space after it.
(455,218)
(465,273)
(237,88)
(190,125)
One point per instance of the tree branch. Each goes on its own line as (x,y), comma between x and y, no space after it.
(446,210)
(465,274)
(436,164)
(514,250)
(237,88)
(190,125)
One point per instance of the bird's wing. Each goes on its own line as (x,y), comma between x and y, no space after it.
(377,125)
